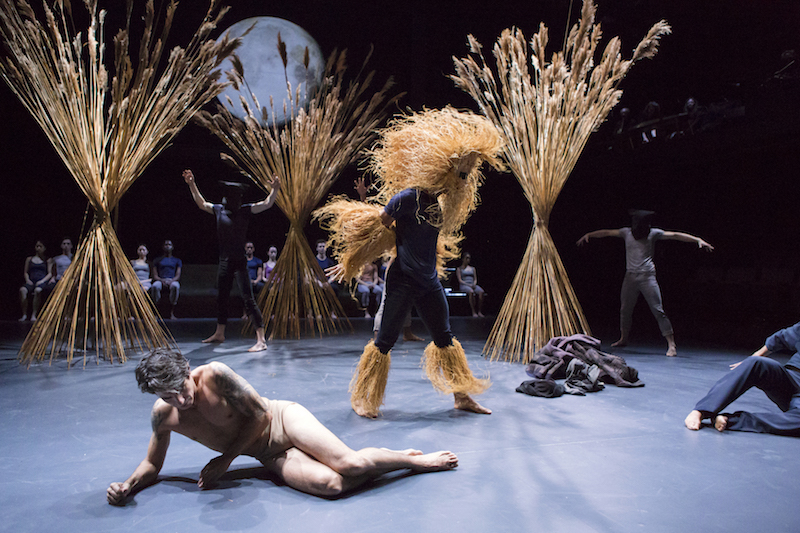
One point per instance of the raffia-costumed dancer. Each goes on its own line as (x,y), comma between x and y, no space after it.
(428,168)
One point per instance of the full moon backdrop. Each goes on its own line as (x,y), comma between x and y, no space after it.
(734,184)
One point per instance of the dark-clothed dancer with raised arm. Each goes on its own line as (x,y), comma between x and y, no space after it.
(232,221)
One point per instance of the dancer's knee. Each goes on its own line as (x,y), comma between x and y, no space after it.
(352,465)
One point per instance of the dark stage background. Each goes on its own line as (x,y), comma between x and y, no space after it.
(732,184)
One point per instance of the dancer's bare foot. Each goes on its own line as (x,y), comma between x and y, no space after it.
(721,423)
(409,336)
(366,413)
(481,315)
(259,346)
(672,351)
(694,421)
(215,338)
(435,462)
(620,343)
(466,403)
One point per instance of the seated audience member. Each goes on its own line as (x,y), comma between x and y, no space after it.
(255,267)
(324,263)
(369,284)
(166,273)
(781,384)
(61,262)
(142,267)
(269,264)
(468,282)
(36,273)
(216,407)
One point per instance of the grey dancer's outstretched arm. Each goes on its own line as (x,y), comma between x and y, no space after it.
(598,234)
(242,397)
(686,237)
(147,471)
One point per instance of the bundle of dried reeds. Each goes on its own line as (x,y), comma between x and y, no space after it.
(545,113)
(307,154)
(63,82)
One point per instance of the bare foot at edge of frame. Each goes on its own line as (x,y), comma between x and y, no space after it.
(215,338)
(620,343)
(694,421)
(465,402)
(721,423)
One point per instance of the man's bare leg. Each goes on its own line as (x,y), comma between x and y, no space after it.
(219,334)
(694,421)
(322,464)
(261,343)
(672,350)
(466,403)
(721,423)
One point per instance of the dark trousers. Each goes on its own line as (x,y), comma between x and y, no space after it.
(230,268)
(779,383)
(403,292)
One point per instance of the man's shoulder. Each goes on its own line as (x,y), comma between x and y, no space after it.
(162,416)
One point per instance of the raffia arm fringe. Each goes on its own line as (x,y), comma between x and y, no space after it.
(449,372)
(369,382)
(357,235)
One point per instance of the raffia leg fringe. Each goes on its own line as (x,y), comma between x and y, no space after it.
(369,381)
(449,372)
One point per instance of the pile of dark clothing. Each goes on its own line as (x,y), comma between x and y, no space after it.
(577,359)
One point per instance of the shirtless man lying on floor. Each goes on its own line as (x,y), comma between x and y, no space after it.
(219,409)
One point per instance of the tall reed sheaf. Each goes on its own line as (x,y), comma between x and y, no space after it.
(545,113)
(307,153)
(63,82)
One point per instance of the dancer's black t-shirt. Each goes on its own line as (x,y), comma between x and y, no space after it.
(416,237)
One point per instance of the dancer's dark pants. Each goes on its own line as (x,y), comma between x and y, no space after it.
(781,385)
(230,268)
(402,293)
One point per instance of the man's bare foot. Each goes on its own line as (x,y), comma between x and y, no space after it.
(694,421)
(466,403)
(672,351)
(215,338)
(366,413)
(259,346)
(409,336)
(435,462)
(721,423)
(620,343)
(481,315)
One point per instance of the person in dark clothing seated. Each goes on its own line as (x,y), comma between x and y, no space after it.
(781,384)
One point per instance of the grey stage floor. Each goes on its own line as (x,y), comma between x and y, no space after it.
(616,461)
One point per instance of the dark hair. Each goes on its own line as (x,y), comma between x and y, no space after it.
(321,240)
(162,370)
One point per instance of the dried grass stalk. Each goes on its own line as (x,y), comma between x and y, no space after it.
(368,385)
(449,372)
(308,154)
(64,84)
(545,113)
